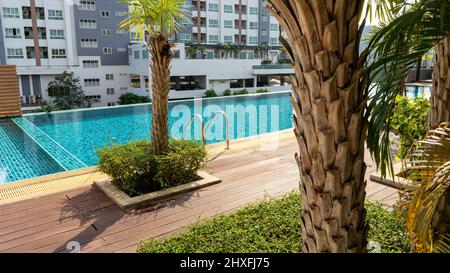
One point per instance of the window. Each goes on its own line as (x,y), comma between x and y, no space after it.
(228,39)
(110,91)
(87,5)
(185,37)
(90,64)
(209,55)
(135,36)
(253,10)
(58,53)
(144,54)
(14,53)
(253,40)
(95,98)
(213,7)
(251,55)
(228,8)
(213,39)
(55,14)
(31,53)
(120,31)
(106,32)
(88,23)
(89,43)
(12,33)
(123,89)
(137,54)
(213,23)
(253,25)
(121,49)
(242,55)
(105,14)
(109,77)
(274,27)
(91,82)
(10,13)
(56,34)
(111,103)
(228,24)
(274,41)
(107,50)
(120,13)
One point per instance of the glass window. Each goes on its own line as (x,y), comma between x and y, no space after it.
(57,34)
(106,32)
(14,53)
(228,39)
(274,27)
(253,10)
(228,8)
(90,64)
(107,50)
(86,5)
(228,24)
(145,54)
(55,14)
(58,53)
(213,39)
(137,54)
(88,23)
(12,33)
(109,77)
(10,13)
(213,23)
(89,43)
(253,25)
(274,41)
(105,14)
(213,7)
(253,40)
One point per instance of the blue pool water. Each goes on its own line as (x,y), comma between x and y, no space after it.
(40,144)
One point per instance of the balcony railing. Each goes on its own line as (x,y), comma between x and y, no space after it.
(273,66)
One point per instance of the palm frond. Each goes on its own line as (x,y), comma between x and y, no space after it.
(429,168)
(393,51)
(155,17)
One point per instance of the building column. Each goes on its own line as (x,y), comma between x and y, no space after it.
(199,23)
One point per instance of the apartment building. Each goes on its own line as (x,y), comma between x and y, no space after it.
(219,47)
(43,38)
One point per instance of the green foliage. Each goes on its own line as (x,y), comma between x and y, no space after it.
(262,91)
(130,98)
(227,92)
(210,93)
(266,61)
(270,226)
(388,229)
(409,121)
(154,17)
(285,61)
(240,92)
(135,170)
(66,93)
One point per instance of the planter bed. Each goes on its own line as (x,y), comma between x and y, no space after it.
(126,202)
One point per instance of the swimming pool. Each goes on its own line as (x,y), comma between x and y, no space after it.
(39,144)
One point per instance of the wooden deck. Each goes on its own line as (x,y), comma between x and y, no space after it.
(87,216)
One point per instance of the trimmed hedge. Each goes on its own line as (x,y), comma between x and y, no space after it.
(227,92)
(135,170)
(270,226)
(240,92)
(210,93)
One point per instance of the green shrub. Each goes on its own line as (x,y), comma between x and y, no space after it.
(285,61)
(270,226)
(262,91)
(135,170)
(210,93)
(227,92)
(130,98)
(409,121)
(240,92)
(266,61)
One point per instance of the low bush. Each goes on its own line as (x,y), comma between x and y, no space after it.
(135,170)
(262,91)
(130,98)
(271,226)
(240,92)
(266,61)
(227,92)
(210,93)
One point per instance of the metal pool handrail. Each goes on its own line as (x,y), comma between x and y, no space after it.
(226,125)
(201,123)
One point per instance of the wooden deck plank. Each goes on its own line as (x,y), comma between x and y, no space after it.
(85,214)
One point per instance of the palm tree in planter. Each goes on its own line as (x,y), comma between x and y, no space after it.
(157,20)
(329,100)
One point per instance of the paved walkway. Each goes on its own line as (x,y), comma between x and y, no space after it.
(87,216)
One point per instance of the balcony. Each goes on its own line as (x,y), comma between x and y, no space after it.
(272,69)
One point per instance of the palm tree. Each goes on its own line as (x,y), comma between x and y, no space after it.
(395,49)
(157,20)
(329,100)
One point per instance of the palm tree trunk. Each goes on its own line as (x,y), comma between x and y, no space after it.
(328,103)
(160,66)
(440,91)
